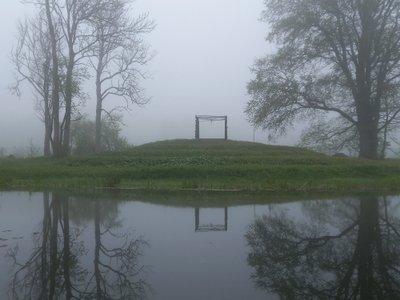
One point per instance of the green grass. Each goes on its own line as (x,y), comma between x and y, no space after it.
(204,165)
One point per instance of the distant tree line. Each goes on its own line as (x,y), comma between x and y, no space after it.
(68,42)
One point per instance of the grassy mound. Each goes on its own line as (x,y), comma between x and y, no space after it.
(204,164)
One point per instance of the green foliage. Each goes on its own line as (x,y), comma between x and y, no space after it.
(337,67)
(83,137)
(204,165)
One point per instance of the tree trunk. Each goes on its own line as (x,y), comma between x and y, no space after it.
(47,113)
(68,101)
(98,127)
(46,143)
(54,263)
(366,110)
(368,140)
(366,242)
(367,124)
(97,235)
(67,248)
(56,142)
(99,98)
(45,239)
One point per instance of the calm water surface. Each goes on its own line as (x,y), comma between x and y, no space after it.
(55,247)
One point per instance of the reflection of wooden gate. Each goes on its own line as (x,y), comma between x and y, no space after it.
(210,227)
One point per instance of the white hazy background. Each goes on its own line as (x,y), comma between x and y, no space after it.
(204,50)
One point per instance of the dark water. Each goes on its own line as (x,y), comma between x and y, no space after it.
(56,247)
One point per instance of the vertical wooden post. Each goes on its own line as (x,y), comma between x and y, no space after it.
(226,218)
(197,218)
(197,130)
(226,127)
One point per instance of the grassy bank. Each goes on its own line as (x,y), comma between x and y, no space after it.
(204,164)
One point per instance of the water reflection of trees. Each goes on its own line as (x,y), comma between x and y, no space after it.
(341,250)
(57,266)
(120,279)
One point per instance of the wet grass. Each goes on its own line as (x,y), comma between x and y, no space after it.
(204,165)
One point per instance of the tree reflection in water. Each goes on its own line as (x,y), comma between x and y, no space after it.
(346,249)
(55,268)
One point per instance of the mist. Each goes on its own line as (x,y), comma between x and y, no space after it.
(203,51)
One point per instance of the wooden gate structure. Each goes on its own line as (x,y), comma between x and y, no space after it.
(199,118)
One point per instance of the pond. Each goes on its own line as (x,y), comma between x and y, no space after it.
(54,246)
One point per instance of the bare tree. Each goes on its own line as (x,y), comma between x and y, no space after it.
(32,62)
(51,55)
(74,18)
(54,41)
(118,57)
(66,35)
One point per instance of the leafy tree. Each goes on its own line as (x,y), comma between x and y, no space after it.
(335,58)
(330,137)
(83,136)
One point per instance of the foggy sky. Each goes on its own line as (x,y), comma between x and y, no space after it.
(203,53)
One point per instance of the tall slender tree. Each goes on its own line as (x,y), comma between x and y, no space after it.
(74,18)
(32,62)
(118,57)
(54,41)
